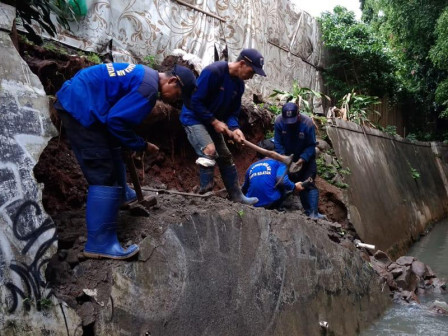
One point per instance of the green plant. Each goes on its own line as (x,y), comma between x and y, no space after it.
(411,137)
(301,96)
(357,107)
(241,213)
(276,110)
(358,57)
(345,171)
(415,174)
(151,61)
(269,134)
(53,47)
(389,129)
(94,58)
(45,303)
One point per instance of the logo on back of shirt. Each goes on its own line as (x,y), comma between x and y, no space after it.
(112,73)
(301,135)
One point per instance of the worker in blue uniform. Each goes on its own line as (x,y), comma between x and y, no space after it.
(268,181)
(213,112)
(99,107)
(294,133)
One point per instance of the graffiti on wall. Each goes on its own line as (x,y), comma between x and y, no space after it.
(26,231)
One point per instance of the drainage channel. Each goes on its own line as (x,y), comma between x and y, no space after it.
(419,319)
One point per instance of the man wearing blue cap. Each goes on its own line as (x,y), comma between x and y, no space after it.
(294,134)
(214,111)
(99,107)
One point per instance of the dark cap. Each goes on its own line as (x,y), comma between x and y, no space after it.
(187,81)
(254,59)
(289,113)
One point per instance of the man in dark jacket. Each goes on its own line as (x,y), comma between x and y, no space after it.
(294,134)
(99,107)
(214,111)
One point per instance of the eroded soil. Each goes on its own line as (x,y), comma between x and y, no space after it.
(64,194)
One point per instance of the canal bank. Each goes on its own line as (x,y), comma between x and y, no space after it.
(415,318)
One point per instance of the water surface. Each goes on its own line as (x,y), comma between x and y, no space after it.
(417,319)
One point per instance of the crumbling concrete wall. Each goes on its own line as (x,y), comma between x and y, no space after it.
(27,234)
(396,187)
(131,30)
(242,271)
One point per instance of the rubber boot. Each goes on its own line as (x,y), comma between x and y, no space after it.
(206,175)
(303,195)
(230,179)
(313,201)
(101,218)
(128,194)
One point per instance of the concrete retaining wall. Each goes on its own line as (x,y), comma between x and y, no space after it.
(396,187)
(239,270)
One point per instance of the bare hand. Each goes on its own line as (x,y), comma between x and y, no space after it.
(298,187)
(221,127)
(238,136)
(151,149)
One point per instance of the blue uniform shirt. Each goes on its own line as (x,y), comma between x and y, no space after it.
(119,95)
(260,181)
(298,139)
(218,95)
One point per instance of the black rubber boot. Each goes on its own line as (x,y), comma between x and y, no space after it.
(206,175)
(230,179)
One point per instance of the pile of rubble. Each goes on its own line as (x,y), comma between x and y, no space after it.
(407,277)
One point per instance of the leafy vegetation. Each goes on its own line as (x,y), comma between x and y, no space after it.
(359,59)
(399,51)
(332,172)
(414,173)
(39,11)
(389,129)
(357,107)
(416,33)
(151,61)
(439,57)
(300,95)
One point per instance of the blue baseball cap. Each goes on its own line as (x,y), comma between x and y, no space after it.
(290,112)
(254,59)
(187,82)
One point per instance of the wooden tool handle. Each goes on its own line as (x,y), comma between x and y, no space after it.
(273,155)
(134,177)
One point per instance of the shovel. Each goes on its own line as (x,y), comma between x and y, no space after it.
(144,203)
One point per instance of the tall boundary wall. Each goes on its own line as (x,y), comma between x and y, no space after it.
(27,234)
(396,187)
(130,30)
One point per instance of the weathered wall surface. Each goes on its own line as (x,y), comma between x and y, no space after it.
(395,187)
(27,234)
(242,271)
(288,39)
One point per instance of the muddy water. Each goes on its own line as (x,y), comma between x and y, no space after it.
(417,319)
